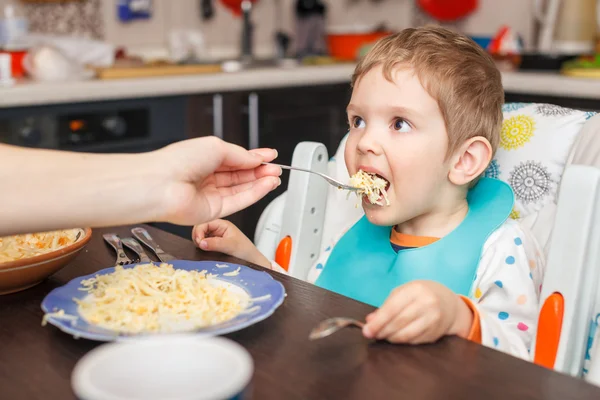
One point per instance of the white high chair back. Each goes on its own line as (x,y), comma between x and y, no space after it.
(284,234)
(551,157)
(567,338)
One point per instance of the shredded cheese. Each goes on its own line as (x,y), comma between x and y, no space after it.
(222,265)
(371,186)
(18,247)
(251,310)
(151,298)
(60,314)
(233,273)
(261,298)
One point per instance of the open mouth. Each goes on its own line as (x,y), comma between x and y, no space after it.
(388,184)
(382,199)
(372,187)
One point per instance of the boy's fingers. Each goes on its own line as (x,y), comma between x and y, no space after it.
(217,244)
(400,321)
(377,321)
(395,303)
(199,232)
(412,333)
(216,228)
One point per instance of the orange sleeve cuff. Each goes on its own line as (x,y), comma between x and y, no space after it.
(475,331)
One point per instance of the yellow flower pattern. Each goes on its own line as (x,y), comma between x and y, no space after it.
(516,131)
(515,214)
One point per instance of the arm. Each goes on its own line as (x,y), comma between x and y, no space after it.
(506,291)
(224,237)
(188,182)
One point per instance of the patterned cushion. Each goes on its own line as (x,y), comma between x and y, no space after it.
(534,146)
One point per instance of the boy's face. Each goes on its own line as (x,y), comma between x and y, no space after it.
(397,131)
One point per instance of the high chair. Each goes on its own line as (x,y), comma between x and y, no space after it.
(551,157)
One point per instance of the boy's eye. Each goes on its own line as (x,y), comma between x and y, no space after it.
(358,122)
(401,125)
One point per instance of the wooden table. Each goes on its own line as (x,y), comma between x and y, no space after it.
(36,362)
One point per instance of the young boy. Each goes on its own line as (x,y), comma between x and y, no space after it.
(443,258)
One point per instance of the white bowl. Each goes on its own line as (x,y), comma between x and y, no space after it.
(166,367)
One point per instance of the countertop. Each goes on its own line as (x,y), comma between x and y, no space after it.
(34,93)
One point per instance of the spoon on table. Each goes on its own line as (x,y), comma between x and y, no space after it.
(329,179)
(332,325)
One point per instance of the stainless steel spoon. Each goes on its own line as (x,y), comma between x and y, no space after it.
(329,179)
(332,325)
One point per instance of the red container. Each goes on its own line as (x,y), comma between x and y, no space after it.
(346,46)
(17,56)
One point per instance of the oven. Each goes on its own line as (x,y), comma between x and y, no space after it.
(100,127)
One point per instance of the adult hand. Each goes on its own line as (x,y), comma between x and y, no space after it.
(208,178)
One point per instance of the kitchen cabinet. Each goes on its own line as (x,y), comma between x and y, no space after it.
(221,115)
(286,117)
(277,118)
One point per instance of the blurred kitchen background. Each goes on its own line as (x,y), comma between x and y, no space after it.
(135,75)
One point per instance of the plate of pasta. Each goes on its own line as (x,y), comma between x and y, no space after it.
(203,297)
(27,259)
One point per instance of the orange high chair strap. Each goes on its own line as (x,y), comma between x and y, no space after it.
(283,254)
(549,328)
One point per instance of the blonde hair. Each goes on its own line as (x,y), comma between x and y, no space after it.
(454,70)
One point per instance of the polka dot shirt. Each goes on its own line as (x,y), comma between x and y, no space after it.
(505,291)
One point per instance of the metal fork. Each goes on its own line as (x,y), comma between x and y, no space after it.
(329,179)
(332,325)
(116,244)
(137,248)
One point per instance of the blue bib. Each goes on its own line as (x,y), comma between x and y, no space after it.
(364,266)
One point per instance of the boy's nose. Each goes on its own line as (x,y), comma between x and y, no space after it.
(369,143)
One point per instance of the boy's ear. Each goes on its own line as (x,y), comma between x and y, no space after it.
(470,160)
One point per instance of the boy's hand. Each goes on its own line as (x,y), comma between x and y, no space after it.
(224,237)
(419,312)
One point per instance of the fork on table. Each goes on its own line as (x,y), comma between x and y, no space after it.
(115,242)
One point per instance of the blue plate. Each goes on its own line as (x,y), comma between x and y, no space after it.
(259,285)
